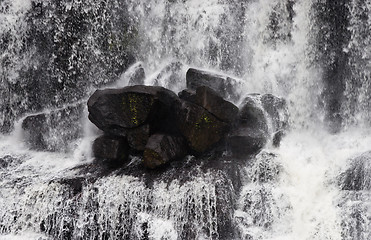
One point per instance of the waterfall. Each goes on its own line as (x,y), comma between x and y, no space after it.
(313,53)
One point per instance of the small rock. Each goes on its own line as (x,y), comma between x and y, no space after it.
(162,149)
(171,77)
(215,104)
(134,75)
(112,148)
(243,142)
(201,128)
(223,85)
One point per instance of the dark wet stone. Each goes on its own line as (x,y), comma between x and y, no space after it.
(243,142)
(161,149)
(223,85)
(201,129)
(130,107)
(112,148)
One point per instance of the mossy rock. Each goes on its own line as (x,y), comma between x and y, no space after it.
(201,128)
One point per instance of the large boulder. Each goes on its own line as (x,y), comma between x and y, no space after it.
(226,86)
(252,114)
(111,148)
(56,130)
(114,110)
(201,129)
(162,149)
(212,102)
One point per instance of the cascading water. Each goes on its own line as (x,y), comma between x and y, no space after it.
(315,53)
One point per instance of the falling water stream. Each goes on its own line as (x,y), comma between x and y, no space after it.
(314,53)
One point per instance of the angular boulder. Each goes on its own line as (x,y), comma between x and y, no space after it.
(55,130)
(243,142)
(111,148)
(118,109)
(358,175)
(226,86)
(201,129)
(162,149)
(215,104)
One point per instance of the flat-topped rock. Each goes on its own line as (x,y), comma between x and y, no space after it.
(223,85)
(130,107)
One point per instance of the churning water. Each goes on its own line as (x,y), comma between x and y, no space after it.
(314,53)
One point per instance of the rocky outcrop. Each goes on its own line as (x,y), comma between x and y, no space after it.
(162,127)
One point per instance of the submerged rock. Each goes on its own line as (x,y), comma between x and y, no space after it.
(171,77)
(134,75)
(223,85)
(277,109)
(162,149)
(358,176)
(55,130)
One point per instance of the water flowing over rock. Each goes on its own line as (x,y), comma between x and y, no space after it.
(56,130)
(201,128)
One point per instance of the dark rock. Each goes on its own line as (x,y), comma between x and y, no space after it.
(55,130)
(243,142)
(215,104)
(201,128)
(212,102)
(130,107)
(252,115)
(358,176)
(111,148)
(171,76)
(188,95)
(223,85)
(138,137)
(162,149)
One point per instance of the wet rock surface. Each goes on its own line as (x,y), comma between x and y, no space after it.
(162,149)
(55,130)
(224,85)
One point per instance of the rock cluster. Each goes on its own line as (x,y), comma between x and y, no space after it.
(161,126)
